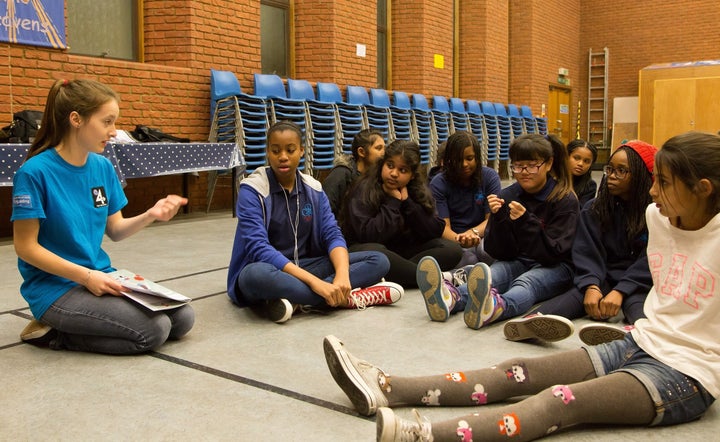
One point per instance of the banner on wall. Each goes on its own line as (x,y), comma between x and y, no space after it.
(33,22)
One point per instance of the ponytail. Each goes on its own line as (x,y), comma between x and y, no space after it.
(66,96)
(560,170)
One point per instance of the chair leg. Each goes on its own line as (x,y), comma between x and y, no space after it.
(212,180)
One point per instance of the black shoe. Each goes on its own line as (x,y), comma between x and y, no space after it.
(38,334)
(279,310)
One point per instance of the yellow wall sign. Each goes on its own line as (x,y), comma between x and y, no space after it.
(439,61)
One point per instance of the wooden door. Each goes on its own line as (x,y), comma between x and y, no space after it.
(674,108)
(559,113)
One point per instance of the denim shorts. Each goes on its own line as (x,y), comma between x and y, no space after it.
(678,398)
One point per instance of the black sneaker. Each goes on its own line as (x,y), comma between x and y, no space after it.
(38,334)
(279,310)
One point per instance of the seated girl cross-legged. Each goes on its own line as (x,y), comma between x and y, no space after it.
(288,251)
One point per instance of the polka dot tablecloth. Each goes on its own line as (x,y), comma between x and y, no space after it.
(153,159)
(136,160)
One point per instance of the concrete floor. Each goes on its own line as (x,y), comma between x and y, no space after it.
(237,376)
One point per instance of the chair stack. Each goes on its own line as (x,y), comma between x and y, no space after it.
(504,130)
(236,118)
(425,125)
(400,115)
(531,125)
(459,115)
(516,121)
(479,129)
(377,117)
(325,139)
(443,120)
(487,109)
(281,108)
(351,117)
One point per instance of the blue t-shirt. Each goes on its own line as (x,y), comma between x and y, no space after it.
(72,205)
(465,206)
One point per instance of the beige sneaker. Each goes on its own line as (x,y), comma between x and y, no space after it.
(548,328)
(391,428)
(37,333)
(357,378)
(601,333)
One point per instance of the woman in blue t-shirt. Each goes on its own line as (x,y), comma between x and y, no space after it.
(66,196)
(460,193)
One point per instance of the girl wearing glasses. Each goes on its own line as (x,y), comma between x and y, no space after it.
(665,372)
(530,234)
(609,253)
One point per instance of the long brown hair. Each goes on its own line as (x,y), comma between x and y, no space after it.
(82,96)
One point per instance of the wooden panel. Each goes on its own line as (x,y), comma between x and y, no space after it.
(674,109)
(647,78)
(707,104)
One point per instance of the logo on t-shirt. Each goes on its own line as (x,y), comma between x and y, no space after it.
(22,201)
(307,212)
(479,198)
(99,198)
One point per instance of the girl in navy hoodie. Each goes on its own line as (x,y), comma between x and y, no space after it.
(391,210)
(609,253)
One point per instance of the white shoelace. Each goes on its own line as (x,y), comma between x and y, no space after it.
(415,431)
(369,296)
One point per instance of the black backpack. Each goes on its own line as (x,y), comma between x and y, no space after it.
(23,128)
(146,134)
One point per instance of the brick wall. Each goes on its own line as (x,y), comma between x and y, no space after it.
(543,38)
(326,35)
(420,30)
(638,34)
(509,52)
(484,60)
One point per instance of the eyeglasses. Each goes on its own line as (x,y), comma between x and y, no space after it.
(620,172)
(530,168)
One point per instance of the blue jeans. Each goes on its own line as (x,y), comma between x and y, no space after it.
(678,398)
(112,324)
(261,281)
(522,286)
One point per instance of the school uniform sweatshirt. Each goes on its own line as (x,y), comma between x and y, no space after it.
(608,255)
(543,235)
(398,225)
(254,207)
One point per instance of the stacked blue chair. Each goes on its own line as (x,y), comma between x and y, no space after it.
(351,117)
(425,124)
(493,133)
(400,116)
(443,120)
(479,129)
(377,117)
(281,108)
(324,140)
(505,131)
(531,125)
(459,115)
(516,121)
(236,118)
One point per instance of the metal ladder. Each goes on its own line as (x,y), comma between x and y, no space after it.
(597,99)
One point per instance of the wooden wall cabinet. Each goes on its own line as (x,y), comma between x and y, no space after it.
(677,98)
